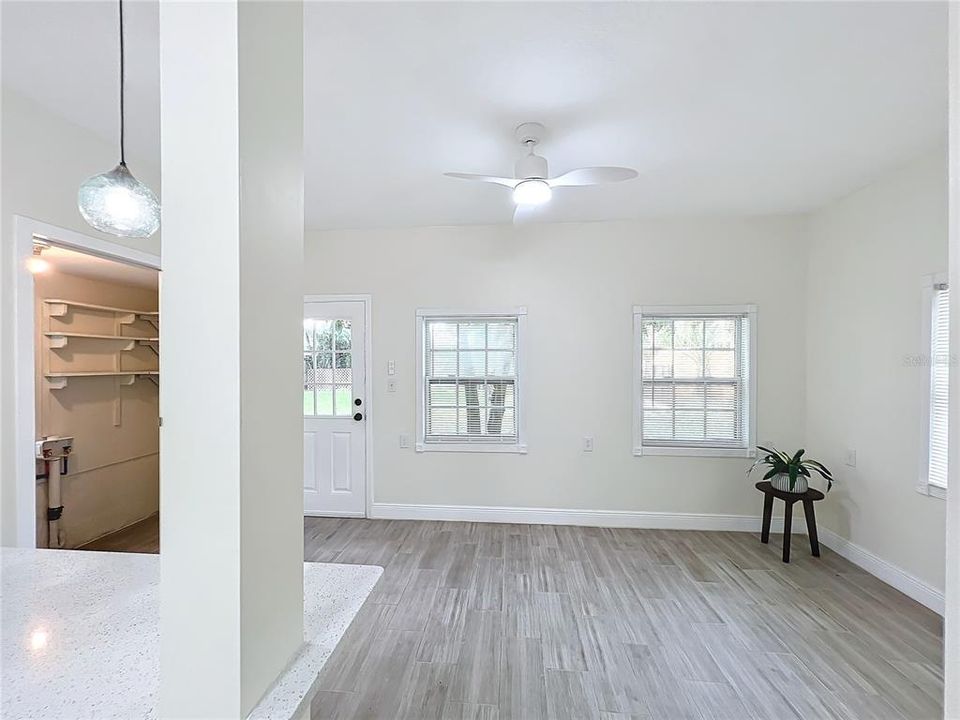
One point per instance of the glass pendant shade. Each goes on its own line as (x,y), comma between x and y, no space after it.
(117,203)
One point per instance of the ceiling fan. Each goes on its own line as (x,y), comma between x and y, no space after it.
(531,185)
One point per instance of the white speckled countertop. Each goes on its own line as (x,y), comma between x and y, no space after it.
(81,634)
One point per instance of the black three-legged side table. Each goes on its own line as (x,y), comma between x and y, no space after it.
(807,498)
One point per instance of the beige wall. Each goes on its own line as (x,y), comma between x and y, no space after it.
(113,477)
(578,283)
(868,255)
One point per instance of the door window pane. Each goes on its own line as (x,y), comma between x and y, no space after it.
(327,368)
(322,334)
(342,334)
(343,397)
(324,405)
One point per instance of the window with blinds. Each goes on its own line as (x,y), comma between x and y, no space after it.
(939,386)
(694,380)
(469,380)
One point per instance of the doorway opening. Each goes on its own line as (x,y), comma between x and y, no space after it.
(94,374)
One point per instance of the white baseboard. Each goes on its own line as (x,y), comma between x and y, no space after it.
(589,518)
(892,575)
(889,573)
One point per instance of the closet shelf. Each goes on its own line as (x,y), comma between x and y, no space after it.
(59,308)
(58,380)
(60,339)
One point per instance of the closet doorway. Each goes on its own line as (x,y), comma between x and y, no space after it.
(89,447)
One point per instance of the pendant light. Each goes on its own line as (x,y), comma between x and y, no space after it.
(116,202)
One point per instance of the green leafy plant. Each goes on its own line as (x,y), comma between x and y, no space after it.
(779,463)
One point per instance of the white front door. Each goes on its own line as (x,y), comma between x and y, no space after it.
(334,408)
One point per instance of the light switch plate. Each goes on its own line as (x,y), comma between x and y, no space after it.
(588,444)
(404,440)
(391,367)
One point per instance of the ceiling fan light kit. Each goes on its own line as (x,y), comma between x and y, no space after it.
(531,183)
(532,192)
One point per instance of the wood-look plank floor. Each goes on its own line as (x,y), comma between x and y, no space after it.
(481,621)
(141,537)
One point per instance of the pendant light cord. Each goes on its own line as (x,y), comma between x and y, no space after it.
(122,155)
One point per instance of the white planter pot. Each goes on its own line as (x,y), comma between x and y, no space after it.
(782,482)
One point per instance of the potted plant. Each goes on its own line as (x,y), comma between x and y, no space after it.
(787,473)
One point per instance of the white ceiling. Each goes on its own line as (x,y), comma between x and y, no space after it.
(64,54)
(723,107)
(71,262)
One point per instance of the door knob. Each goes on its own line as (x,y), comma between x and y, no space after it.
(358,402)
(358,417)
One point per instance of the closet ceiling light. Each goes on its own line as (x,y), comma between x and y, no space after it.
(36,263)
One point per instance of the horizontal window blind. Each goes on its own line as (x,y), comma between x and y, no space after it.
(939,386)
(470,379)
(695,381)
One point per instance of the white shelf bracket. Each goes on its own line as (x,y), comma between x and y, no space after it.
(152,344)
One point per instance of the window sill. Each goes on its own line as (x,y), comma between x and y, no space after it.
(932,491)
(694,451)
(514,448)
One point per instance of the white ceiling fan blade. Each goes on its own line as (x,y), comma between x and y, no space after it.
(593,176)
(506,182)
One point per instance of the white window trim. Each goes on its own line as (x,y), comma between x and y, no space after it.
(641,311)
(924,487)
(519,447)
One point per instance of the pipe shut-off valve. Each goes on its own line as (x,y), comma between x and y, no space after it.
(54,451)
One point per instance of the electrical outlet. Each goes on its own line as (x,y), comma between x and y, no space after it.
(391,367)
(391,385)
(851,458)
(588,444)
(404,440)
